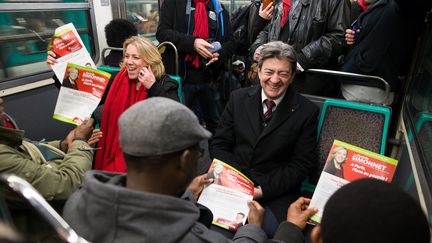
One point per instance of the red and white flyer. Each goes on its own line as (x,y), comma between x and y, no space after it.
(347,163)
(227,196)
(69,48)
(81,91)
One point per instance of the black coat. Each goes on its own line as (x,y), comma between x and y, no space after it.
(173,27)
(389,29)
(278,157)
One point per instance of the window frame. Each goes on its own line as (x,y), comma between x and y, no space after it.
(87,6)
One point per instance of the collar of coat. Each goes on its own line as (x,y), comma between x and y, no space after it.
(11,137)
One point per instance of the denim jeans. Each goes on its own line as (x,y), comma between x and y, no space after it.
(205,97)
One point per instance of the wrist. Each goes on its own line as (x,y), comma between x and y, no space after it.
(64,146)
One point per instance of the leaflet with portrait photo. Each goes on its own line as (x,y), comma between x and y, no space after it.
(81,91)
(347,163)
(69,48)
(227,196)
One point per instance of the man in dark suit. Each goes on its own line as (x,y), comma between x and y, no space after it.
(274,147)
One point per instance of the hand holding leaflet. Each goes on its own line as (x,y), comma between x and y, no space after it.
(228,196)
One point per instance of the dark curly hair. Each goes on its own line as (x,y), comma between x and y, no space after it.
(118,30)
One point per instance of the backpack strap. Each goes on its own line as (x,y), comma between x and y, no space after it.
(42,153)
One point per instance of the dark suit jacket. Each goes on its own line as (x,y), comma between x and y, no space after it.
(278,157)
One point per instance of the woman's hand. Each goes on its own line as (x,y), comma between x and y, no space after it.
(51,59)
(146,77)
(201,46)
(215,57)
(96,135)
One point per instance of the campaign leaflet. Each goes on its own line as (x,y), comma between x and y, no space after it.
(347,163)
(69,48)
(227,196)
(81,91)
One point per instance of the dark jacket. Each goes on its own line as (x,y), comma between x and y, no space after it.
(173,27)
(389,30)
(278,157)
(315,28)
(104,210)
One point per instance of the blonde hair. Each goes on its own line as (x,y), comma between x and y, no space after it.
(148,52)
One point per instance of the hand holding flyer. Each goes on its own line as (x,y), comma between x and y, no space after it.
(227,197)
(81,92)
(69,48)
(347,163)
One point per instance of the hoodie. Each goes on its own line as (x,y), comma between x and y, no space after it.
(104,210)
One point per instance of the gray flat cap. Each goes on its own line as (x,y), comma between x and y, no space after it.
(158,126)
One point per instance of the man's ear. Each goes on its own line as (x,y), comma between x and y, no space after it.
(316,235)
(186,158)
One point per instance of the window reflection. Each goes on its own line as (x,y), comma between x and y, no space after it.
(24,37)
(420,103)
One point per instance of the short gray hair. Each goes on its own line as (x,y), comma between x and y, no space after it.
(279,50)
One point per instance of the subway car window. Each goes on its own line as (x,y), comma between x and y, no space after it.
(419,103)
(145,16)
(26,31)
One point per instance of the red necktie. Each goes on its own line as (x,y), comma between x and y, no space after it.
(270,104)
(285,12)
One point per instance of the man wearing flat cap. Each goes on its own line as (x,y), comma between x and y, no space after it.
(159,138)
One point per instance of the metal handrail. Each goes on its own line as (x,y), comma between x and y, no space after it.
(167,43)
(352,75)
(104,50)
(24,189)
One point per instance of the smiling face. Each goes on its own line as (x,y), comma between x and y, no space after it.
(133,61)
(275,76)
(73,74)
(340,156)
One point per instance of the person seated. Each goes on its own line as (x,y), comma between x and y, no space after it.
(153,202)
(54,181)
(116,32)
(369,210)
(142,76)
(268,132)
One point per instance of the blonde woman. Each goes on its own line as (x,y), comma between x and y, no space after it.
(335,165)
(142,75)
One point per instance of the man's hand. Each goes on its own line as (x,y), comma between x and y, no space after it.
(258,193)
(215,57)
(146,77)
(256,213)
(266,13)
(198,184)
(349,36)
(51,59)
(201,46)
(257,53)
(84,130)
(96,135)
(299,212)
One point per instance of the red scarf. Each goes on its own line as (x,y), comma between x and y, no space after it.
(200,28)
(285,12)
(363,5)
(121,96)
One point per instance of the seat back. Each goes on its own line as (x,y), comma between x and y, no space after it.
(362,125)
